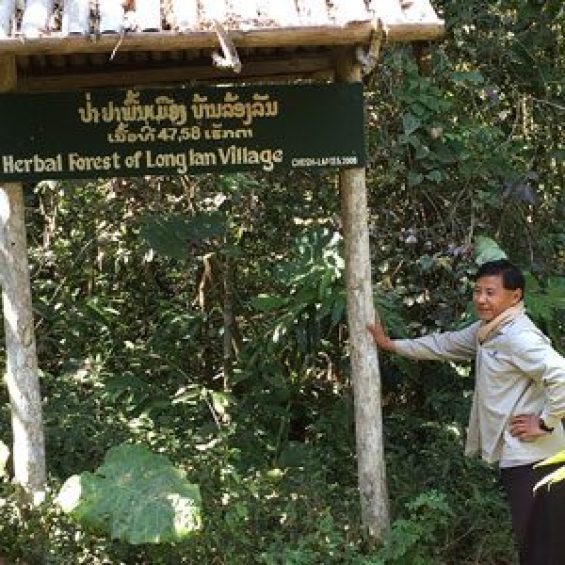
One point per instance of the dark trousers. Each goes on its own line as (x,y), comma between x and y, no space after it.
(538,518)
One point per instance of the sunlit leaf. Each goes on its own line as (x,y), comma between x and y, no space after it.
(189,394)
(410,123)
(553,460)
(135,496)
(486,249)
(555,477)
(268,302)
(220,401)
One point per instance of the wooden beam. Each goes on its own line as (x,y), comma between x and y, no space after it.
(364,361)
(309,66)
(408,32)
(21,357)
(8,74)
(414,21)
(358,33)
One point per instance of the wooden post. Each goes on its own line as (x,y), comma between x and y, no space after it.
(364,361)
(21,358)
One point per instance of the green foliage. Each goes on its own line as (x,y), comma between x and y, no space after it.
(313,300)
(176,236)
(134,496)
(411,540)
(545,300)
(557,475)
(486,249)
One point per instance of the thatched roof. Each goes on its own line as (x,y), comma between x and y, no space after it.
(56,37)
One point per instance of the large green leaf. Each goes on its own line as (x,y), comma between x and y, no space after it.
(135,496)
(553,460)
(486,249)
(557,475)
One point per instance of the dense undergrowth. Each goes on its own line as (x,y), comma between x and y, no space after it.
(267,502)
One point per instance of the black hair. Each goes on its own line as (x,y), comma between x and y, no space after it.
(512,277)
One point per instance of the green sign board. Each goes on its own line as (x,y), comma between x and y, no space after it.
(136,132)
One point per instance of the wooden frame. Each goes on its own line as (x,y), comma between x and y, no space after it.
(21,358)
(174,41)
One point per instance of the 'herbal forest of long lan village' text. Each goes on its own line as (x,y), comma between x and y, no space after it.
(160,133)
(180,162)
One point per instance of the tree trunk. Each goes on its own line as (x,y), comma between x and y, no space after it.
(21,358)
(364,361)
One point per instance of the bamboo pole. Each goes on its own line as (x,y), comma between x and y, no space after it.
(364,361)
(21,357)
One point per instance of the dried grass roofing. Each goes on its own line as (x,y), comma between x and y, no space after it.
(51,38)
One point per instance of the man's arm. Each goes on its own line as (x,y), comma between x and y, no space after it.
(456,346)
(536,358)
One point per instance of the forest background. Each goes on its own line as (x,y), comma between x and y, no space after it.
(204,317)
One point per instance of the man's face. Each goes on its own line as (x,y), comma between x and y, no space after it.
(491,298)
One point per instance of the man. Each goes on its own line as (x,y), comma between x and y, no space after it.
(518,403)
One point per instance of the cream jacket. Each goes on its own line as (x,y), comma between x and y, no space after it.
(516,372)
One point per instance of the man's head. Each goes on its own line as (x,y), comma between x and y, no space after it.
(499,285)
